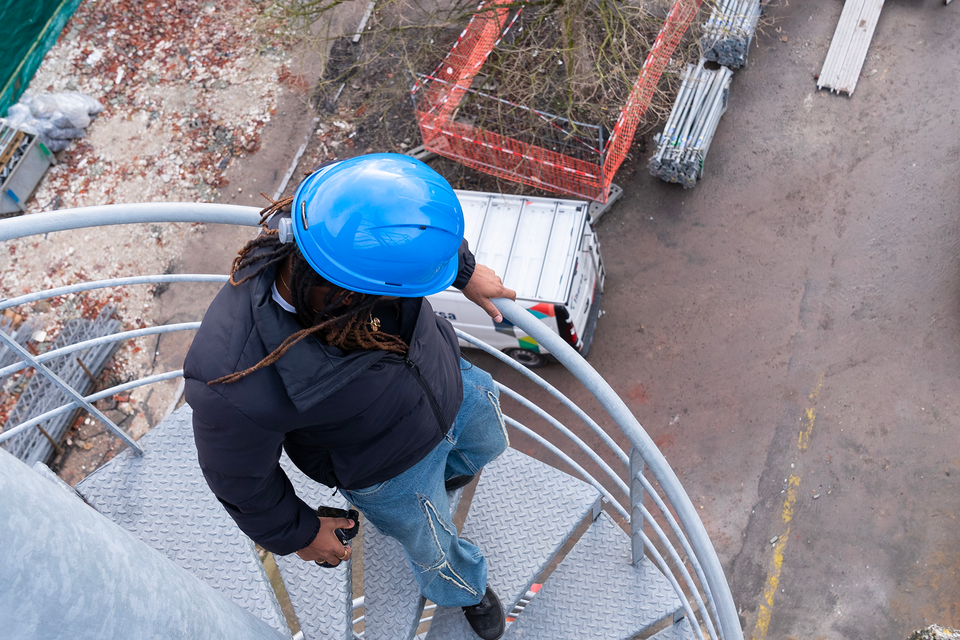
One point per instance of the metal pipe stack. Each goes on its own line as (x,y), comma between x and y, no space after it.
(683,145)
(729,31)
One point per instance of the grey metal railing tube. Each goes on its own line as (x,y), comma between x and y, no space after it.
(677,531)
(78,400)
(549,388)
(527,431)
(728,621)
(138,213)
(72,574)
(110,282)
(571,435)
(661,534)
(93,342)
(100,395)
(672,579)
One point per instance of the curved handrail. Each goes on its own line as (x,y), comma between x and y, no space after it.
(143,212)
(729,622)
(111,282)
(100,395)
(94,342)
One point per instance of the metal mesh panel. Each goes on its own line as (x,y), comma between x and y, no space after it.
(41,395)
(21,335)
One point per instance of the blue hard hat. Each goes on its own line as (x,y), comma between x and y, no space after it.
(384,224)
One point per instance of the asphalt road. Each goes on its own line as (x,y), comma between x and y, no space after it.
(787,331)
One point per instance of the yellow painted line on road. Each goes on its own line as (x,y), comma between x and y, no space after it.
(786,515)
(806,428)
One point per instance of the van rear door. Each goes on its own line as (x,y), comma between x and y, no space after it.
(535,245)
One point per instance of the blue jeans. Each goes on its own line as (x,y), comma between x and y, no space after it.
(412,507)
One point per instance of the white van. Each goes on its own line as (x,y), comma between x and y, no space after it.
(545,250)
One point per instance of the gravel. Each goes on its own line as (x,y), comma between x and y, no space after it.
(187,88)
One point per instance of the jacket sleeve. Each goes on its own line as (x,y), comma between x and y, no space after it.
(241,463)
(467,264)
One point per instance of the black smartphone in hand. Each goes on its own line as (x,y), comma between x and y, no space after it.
(343,535)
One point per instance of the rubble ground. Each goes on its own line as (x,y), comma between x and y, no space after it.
(187,87)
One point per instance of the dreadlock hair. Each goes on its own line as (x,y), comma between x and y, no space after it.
(344,319)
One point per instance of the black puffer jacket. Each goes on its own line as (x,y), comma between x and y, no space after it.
(347,420)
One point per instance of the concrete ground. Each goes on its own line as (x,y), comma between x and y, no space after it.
(789,331)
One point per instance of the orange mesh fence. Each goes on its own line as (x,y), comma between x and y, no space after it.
(580,162)
(678,20)
(465,59)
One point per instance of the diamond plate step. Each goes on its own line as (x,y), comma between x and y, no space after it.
(522,513)
(321,598)
(162,498)
(678,631)
(597,593)
(392,601)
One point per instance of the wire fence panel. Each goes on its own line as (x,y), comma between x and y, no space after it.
(532,147)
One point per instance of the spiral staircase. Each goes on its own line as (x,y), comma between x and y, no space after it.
(620,555)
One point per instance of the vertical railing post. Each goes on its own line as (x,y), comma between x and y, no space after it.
(636,500)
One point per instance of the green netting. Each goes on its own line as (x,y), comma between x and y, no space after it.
(29,29)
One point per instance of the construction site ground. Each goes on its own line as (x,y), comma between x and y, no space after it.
(788,332)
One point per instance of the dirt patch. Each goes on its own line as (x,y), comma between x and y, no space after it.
(187,87)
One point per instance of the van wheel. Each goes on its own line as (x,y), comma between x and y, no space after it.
(529,359)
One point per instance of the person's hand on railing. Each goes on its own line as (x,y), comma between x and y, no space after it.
(326,547)
(484,284)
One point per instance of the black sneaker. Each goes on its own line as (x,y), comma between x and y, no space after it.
(486,617)
(454,483)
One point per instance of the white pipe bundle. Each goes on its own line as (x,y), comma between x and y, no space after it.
(683,145)
(729,31)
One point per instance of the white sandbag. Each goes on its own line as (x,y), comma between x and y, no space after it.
(20,118)
(74,108)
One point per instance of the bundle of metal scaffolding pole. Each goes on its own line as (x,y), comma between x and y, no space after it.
(686,138)
(848,48)
(729,30)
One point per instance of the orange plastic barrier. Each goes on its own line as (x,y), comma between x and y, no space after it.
(590,174)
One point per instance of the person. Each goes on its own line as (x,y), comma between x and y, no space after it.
(323,345)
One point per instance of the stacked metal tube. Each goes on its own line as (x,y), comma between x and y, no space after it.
(729,31)
(683,145)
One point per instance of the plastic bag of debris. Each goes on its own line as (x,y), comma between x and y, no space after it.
(57,118)
(75,107)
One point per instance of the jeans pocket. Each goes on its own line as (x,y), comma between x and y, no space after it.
(367,491)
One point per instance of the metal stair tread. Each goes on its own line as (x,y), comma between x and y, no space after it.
(321,598)
(392,601)
(584,597)
(163,499)
(522,513)
(678,631)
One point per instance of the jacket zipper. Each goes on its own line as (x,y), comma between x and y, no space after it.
(415,370)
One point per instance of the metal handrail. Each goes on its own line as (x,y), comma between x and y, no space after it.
(137,213)
(164,278)
(728,620)
(93,342)
(686,526)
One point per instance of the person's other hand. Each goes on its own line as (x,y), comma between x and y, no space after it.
(326,547)
(484,284)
